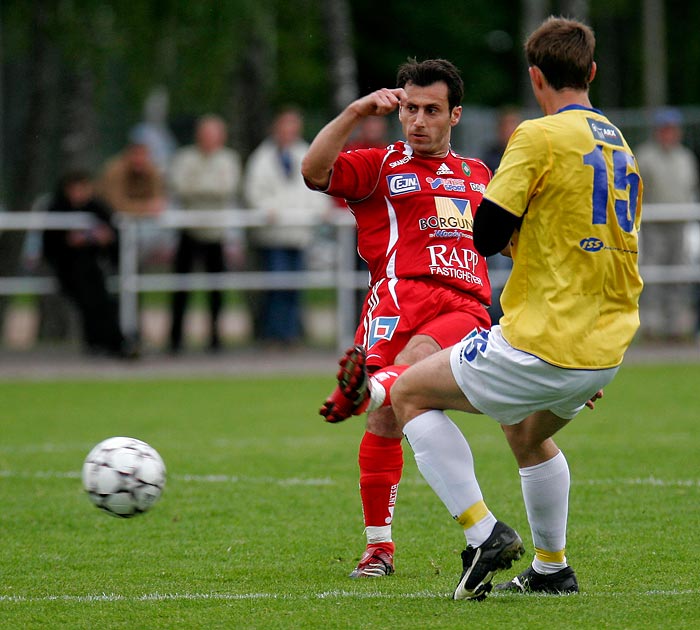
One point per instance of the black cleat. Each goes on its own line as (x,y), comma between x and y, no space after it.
(562,582)
(499,551)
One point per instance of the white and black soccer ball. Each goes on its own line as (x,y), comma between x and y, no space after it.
(124,476)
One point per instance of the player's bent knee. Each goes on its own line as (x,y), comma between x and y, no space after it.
(402,401)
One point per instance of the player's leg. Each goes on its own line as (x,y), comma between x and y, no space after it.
(381,465)
(214,263)
(184,262)
(380,460)
(444,458)
(545,482)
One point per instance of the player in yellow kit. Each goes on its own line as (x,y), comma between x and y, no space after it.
(566,202)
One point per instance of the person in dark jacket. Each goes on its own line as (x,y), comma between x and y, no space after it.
(79,259)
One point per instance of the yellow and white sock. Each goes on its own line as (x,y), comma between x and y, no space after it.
(478,523)
(545,489)
(445,460)
(549,561)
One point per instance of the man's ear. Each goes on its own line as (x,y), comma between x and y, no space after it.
(456,115)
(536,77)
(594,68)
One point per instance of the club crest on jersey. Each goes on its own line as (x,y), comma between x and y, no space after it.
(466,170)
(382,328)
(605,132)
(402,183)
(444,170)
(448,183)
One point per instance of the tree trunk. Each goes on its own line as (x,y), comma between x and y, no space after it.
(654,54)
(80,132)
(534,12)
(342,63)
(28,173)
(77,150)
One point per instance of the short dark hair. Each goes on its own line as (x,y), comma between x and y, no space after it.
(563,50)
(74,176)
(425,73)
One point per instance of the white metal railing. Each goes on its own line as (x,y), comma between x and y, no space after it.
(342,277)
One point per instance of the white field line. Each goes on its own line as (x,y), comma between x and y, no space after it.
(327,481)
(230,479)
(329,595)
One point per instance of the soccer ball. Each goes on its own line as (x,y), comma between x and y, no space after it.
(123,476)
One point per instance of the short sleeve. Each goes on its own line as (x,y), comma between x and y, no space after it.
(523,170)
(355,174)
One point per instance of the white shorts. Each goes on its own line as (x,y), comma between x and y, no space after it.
(509,384)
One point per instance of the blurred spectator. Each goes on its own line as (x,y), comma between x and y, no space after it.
(131,182)
(132,185)
(670,174)
(78,258)
(273,183)
(372,132)
(508,120)
(154,129)
(204,176)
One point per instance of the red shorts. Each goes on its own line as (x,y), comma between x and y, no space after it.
(397,310)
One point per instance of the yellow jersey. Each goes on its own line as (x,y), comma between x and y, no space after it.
(572,298)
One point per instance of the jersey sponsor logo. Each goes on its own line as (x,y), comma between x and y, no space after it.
(605,132)
(382,328)
(444,170)
(451,214)
(403,160)
(454,262)
(448,183)
(449,234)
(480,188)
(402,183)
(591,244)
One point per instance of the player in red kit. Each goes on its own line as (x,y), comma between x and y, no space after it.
(413,203)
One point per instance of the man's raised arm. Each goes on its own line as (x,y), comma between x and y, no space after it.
(318,162)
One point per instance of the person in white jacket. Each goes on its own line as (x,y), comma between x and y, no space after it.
(273,183)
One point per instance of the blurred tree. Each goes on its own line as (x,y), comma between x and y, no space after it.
(480,38)
(75,73)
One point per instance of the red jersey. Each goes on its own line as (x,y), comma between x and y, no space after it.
(415,215)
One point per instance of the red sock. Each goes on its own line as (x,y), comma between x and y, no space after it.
(381,464)
(384,379)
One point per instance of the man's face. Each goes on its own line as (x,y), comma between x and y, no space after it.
(79,192)
(287,129)
(138,156)
(211,136)
(669,136)
(427,120)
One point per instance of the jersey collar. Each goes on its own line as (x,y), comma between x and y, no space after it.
(577,106)
(408,150)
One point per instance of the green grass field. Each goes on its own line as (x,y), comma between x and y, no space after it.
(260,521)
